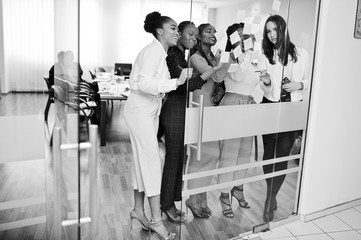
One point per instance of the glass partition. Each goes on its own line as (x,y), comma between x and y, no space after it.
(244,155)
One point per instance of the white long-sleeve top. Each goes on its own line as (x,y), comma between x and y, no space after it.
(297,71)
(150,74)
(244,80)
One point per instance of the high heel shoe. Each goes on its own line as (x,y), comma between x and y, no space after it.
(203,199)
(173,217)
(241,201)
(228,211)
(197,212)
(134,216)
(159,228)
(270,206)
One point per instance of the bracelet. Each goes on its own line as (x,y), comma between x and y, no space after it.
(268,85)
(302,86)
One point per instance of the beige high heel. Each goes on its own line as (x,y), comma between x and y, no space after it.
(156,226)
(134,216)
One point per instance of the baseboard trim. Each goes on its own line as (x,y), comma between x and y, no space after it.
(330,210)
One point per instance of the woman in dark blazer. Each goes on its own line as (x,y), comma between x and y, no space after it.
(172,121)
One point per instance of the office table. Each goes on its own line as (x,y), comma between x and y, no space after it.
(109,90)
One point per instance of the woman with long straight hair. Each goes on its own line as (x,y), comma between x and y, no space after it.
(285,75)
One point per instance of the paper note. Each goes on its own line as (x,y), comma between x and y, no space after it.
(220,34)
(214,49)
(254,55)
(237,51)
(247,28)
(222,43)
(234,37)
(233,67)
(224,57)
(257,46)
(241,15)
(186,53)
(257,19)
(258,36)
(248,20)
(276,5)
(248,43)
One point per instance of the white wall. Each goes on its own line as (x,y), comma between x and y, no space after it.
(2,72)
(332,158)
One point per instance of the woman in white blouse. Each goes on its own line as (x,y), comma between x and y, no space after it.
(240,85)
(149,81)
(281,60)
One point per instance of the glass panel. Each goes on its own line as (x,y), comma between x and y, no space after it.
(67,185)
(22,102)
(227,143)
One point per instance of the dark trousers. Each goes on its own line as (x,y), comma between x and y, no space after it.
(277,145)
(172,122)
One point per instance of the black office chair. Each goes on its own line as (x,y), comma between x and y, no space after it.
(50,99)
(92,75)
(99,69)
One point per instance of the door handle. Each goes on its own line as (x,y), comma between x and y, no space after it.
(200,123)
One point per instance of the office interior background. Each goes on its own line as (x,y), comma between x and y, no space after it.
(101,33)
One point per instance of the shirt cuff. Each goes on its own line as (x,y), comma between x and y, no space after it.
(167,85)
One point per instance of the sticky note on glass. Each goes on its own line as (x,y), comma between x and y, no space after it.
(248,43)
(257,19)
(214,49)
(224,57)
(237,51)
(254,55)
(186,53)
(234,37)
(233,67)
(241,15)
(222,43)
(258,36)
(276,5)
(247,28)
(220,34)
(257,46)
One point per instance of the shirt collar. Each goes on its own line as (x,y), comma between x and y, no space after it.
(156,41)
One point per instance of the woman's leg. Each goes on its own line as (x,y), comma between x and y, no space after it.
(244,157)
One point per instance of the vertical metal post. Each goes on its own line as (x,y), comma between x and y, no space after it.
(200,128)
(57,168)
(93,130)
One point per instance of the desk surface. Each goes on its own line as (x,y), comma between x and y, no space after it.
(113,89)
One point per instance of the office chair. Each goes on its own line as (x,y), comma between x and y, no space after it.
(99,69)
(92,75)
(50,99)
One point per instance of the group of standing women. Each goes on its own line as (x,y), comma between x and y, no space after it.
(162,68)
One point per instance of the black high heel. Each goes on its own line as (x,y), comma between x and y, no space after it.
(226,212)
(156,226)
(270,206)
(134,216)
(206,209)
(241,201)
(197,212)
(171,218)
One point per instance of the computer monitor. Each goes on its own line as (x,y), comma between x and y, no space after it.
(122,69)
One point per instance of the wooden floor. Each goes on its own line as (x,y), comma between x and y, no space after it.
(115,195)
